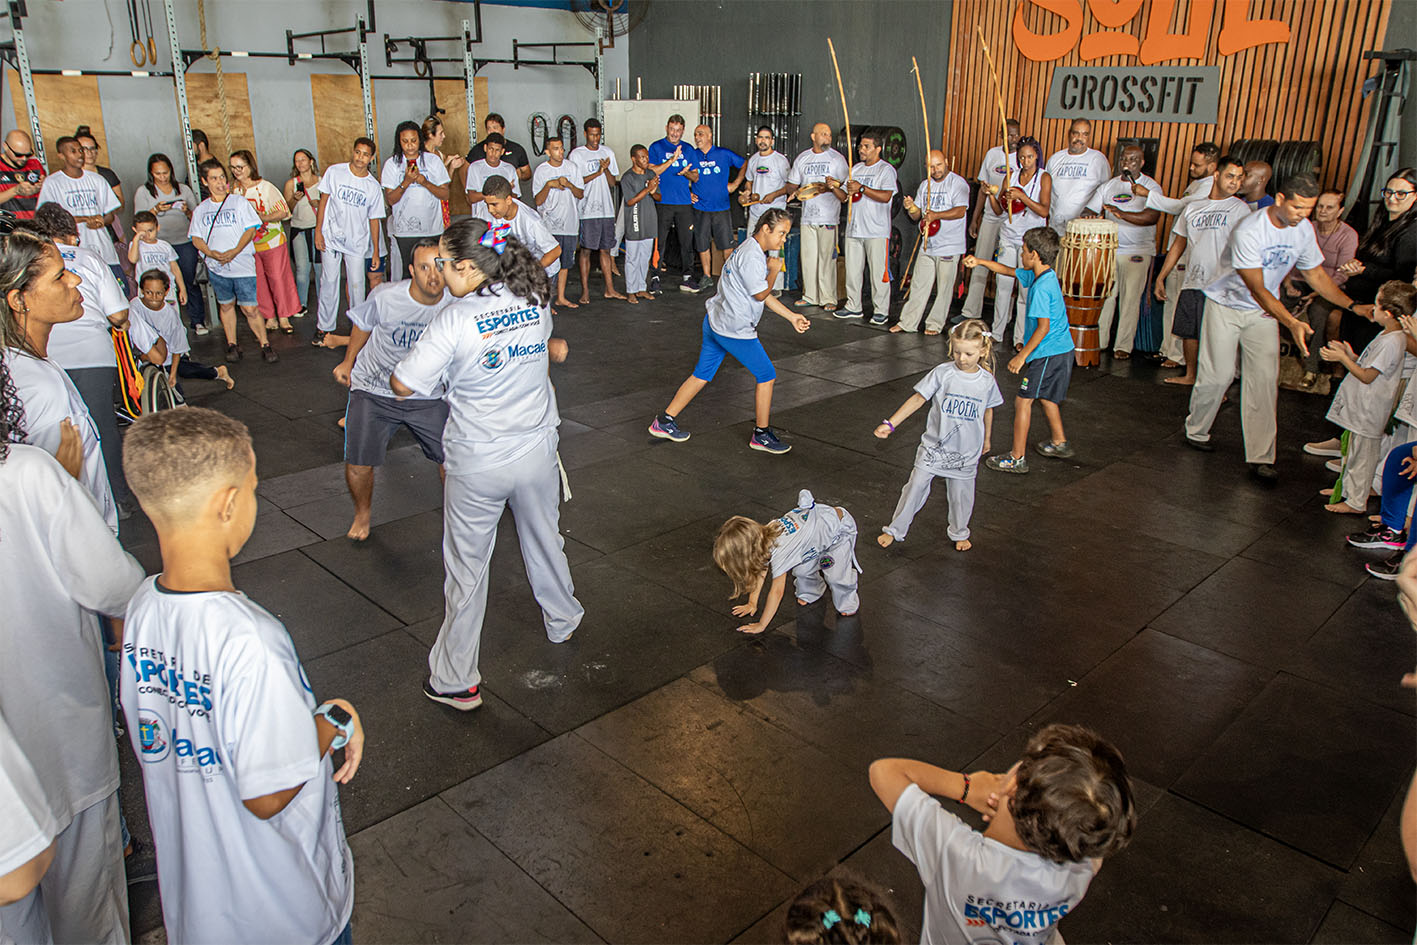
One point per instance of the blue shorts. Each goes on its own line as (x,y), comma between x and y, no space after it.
(1047,378)
(746,351)
(241,289)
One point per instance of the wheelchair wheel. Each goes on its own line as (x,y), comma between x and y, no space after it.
(158,392)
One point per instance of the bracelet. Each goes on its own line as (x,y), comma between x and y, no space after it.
(963,797)
(887,423)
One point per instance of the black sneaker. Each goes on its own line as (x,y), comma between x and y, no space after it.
(464,701)
(1204,446)
(318,339)
(1379,535)
(654,286)
(689,284)
(705,283)
(268,354)
(1386,569)
(1264,472)
(233,354)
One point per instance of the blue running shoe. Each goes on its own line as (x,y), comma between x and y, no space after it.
(767,442)
(667,429)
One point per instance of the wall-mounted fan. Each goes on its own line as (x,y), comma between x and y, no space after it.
(610,18)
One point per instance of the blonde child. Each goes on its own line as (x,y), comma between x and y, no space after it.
(153,318)
(1364,402)
(148,252)
(817,543)
(962,395)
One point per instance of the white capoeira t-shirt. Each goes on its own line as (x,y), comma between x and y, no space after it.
(27,825)
(418,212)
(531,231)
(991,172)
(87,341)
(1075,177)
(954,429)
(220,711)
(145,327)
(1258,243)
(871,219)
(558,210)
(804,534)
(948,194)
(596,200)
(1133,239)
(87,195)
(766,173)
(1206,225)
(479,172)
(813,168)
(351,202)
(221,224)
(395,320)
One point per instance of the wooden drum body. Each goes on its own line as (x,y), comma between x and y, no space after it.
(1087,272)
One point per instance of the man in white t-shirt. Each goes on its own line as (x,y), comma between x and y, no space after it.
(821,214)
(868,229)
(241,791)
(940,205)
(60,566)
(415,184)
(1241,311)
(223,230)
(385,326)
(523,223)
(490,165)
(1200,235)
(346,232)
(598,170)
(1076,172)
(1000,163)
(557,188)
(1136,248)
(766,178)
(1204,158)
(88,197)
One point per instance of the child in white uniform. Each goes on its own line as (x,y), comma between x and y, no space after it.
(491,347)
(962,395)
(241,789)
(347,231)
(817,543)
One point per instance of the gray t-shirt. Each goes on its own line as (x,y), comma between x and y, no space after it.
(641,218)
(171,223)
(977,889)
(395,321)
(954,430)
(805,533)
(733,312)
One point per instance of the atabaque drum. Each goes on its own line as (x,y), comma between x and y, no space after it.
(1087,272)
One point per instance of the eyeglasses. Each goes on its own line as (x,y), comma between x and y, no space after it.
(1389,192)
(440,260)
(93,150)
(23,155)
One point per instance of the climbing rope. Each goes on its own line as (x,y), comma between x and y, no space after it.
(214,54)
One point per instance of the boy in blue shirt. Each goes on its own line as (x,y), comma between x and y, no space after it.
(1046,359)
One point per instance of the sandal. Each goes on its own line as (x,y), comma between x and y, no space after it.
(286,327)
(829,307)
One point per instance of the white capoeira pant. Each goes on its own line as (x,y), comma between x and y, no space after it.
(1361,459)
(960,493)
(84,895)
(869,254)
(835,570)
(637,254)
(1133,278)
(1256,336)
(472,506)
(1004,295)
(818,253)
(1171,345)
(984,248)
(931,272)
(355,267)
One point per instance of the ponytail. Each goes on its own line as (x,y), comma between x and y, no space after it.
(515,267)
(771,218)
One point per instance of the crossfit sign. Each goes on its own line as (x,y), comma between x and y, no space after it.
(1175,94)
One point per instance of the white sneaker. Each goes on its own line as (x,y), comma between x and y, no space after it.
(1334,465)
(1323,448)
(202,330)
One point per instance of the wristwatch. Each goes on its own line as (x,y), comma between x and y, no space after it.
(341,720)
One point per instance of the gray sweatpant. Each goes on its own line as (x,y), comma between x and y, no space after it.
(959,492)
(472,507)
(84,895)
(834,569)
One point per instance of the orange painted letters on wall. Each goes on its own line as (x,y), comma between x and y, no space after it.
(1237,32)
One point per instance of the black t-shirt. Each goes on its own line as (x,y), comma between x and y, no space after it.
(32,172)
(514,154)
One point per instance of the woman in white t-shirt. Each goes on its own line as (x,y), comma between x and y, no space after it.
(275,282)
(302,196)
(416,184)
(491,348)
(1029,198)
(223,230)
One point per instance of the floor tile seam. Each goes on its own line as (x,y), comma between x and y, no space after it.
(1344,694)
(362,596)
(1369,913)
(507,856)
(1248,661)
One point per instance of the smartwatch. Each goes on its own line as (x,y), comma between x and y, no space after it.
(341,720)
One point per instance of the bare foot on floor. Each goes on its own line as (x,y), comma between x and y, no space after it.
(612,294)
(1325,492)
(884,540)
(223,375)
(963,545)
(359,530)
(801,602)
(332,340)
(647,296)
(1343,508)
(1185,380)
(566,303)
(929,332)
(896,329)
(633,300)
(1168,363)
(583,300)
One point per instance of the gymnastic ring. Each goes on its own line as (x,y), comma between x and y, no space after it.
(421,68)
(140,57)
(152,51)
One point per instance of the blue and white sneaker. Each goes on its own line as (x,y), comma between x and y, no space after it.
(878,319)
(843,313)
(767,442)
(667,430)
(464,701)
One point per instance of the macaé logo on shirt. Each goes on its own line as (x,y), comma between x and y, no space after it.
(526,352)
(152,738)
(492,359)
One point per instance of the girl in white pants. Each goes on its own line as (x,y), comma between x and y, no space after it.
(962,395)
(817,543)
(491,349)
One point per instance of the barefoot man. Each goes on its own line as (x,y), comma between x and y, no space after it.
(384,327)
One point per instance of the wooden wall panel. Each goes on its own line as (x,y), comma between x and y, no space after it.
(204,107)
(64,102)
(339,117)
(1306,89)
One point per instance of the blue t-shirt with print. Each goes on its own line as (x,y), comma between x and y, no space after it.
(1045,300)
(673,189)
(715,167)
